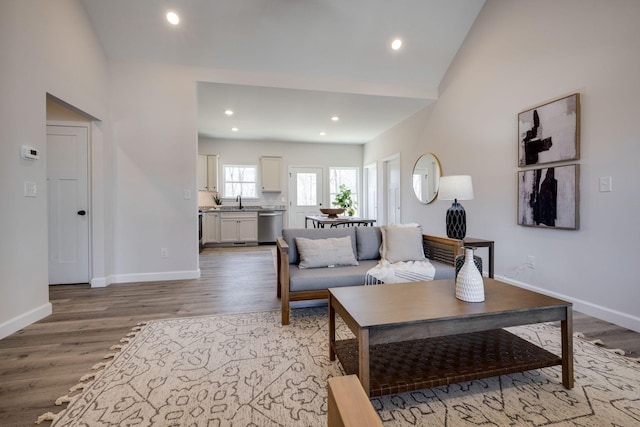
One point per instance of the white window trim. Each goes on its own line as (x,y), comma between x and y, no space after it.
(224,182)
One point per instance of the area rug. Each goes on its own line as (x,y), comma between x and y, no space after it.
(248,370)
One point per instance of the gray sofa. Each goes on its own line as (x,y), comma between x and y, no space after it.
(297,284)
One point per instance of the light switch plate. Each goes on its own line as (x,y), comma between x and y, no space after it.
(30,189)
(605,184)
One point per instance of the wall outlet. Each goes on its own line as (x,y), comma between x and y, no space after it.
(164,252)
(531,261)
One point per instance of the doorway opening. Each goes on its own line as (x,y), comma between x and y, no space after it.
(69,216)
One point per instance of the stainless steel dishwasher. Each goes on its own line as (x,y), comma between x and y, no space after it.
(269,226)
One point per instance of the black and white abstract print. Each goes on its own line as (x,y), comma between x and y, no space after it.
(549,133)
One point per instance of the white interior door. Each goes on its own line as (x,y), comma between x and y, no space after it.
(67,181)
(392,184)
(305,194)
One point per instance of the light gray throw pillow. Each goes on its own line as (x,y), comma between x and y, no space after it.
(331,252)
(402,244)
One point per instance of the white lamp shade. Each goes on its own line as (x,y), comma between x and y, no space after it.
(454,187)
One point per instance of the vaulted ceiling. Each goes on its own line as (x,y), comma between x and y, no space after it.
(285,67)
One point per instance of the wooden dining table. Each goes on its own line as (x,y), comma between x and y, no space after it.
(320,221)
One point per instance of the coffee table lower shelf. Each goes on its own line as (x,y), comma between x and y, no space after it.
(413,365)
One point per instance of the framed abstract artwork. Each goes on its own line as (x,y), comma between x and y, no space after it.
(548,197)
(550,132)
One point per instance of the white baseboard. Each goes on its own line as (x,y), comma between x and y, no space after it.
(13,325)
(613,316)
(153,277)
(101,282)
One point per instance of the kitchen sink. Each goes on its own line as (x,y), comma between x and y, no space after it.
(244,208)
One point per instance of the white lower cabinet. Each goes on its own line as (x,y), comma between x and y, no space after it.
(211,232)
(238,227)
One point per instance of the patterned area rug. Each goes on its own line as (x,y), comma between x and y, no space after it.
(248,370)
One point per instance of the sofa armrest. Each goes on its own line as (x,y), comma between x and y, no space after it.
(349,405)
(282,274)
(442,249)
(282,260)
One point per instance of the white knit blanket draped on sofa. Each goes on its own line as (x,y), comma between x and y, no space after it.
(399,272)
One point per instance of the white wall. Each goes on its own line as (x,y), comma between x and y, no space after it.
(154,125)
(46,47)
(154,121)
(518,55)
(293,154)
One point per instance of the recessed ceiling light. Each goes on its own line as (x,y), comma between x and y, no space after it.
(335,118)
(323,133)
(234,129)
(173,18)
(228,112)
(396,44)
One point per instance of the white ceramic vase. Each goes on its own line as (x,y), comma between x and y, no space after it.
(469,283)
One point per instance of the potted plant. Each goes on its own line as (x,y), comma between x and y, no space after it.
(217,200)
(343,199)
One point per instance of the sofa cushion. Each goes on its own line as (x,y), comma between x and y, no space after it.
(331,252)
(368,241)
(289,235)
(402,244)
(324,278)
(443,271)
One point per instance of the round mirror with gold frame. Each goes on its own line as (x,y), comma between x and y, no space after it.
(426,177)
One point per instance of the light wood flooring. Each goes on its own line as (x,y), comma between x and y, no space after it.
(41,362)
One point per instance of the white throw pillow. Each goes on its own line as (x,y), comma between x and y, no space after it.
(330,252)
(402,243)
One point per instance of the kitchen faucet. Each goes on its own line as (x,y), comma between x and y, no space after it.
(239,199)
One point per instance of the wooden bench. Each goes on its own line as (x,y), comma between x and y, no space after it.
(349,405)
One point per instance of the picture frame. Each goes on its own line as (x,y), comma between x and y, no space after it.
(549,197)
(550,132)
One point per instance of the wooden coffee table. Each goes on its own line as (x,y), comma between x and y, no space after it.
(417,335)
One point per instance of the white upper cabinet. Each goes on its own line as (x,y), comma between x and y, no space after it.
(212,172)
(207,172)
(271,174)
(202,172)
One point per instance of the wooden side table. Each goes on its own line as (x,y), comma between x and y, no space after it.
(473,242)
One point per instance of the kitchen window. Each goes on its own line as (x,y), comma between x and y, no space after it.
(240,180)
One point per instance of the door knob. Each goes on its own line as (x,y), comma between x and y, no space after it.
(82,212)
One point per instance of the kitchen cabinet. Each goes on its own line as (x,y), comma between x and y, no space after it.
(207,168)
(238,227)
(271,174)
(202,172)
(211,227)
(212,172)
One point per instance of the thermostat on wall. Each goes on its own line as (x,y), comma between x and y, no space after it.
(30,153)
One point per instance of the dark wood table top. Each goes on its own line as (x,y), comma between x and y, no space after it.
(403,303)
(474,241)
(321,219)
